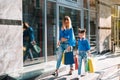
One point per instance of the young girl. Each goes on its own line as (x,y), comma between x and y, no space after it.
(83,48)
(66,41)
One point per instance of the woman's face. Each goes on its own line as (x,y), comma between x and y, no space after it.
(66,21)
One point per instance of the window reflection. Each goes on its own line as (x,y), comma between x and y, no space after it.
(32,13)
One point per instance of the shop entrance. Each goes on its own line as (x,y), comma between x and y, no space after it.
(115,28)
(53,20)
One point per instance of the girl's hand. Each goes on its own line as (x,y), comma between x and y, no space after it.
(89,54)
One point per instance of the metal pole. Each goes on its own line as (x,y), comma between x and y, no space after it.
(45,29)
(88,4)
(57,20)
(82,16)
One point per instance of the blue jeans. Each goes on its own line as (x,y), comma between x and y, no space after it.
(82,55)
(59,52)
(28,52)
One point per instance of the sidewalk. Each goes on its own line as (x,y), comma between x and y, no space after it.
(108,65)
(106,68)
(34,71)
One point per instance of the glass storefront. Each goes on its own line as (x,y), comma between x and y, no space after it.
(74,15)
(116,26)
(51,30)
(33,13)
(90,22)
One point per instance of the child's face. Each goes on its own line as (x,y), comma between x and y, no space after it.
(81,35)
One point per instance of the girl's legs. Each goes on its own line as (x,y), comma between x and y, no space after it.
(82,55)
(85,63)
(79,64)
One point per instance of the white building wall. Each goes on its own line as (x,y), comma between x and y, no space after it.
(11,57)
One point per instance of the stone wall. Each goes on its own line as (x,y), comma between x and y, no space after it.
(104,26)
(11,57)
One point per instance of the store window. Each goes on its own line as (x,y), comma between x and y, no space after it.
(33,14)
(85,3)
(92,4)
(86,21)
(93,20)
(74,15)
(115,26)
(51,30)
(72,0)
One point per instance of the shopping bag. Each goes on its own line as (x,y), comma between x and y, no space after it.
(68,58)
(86,66)
(37,48)
(76,62)
(90,64)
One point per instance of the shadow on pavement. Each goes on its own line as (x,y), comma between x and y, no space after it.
(53,78)
(74,79)
(110,56)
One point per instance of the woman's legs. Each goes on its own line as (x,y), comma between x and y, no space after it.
(59,57)
(71,69)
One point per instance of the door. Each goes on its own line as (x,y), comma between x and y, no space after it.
(115,36)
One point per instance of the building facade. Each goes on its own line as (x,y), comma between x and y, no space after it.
(45,16)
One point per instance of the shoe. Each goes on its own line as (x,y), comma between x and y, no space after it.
(31,59)
(84,74)
(55,74)
(70,72)
(78,78)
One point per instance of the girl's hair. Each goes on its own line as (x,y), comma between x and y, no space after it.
(69,20)
(81,30)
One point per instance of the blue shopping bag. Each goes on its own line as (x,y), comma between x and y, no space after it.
(68,58)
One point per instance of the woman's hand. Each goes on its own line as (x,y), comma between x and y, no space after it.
(69,48)
(58,44)
(33,42)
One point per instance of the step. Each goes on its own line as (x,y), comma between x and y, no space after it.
(38,70)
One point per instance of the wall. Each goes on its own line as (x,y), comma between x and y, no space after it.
(11,57)
(104,26)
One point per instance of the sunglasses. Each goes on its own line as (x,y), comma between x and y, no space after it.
(65,19)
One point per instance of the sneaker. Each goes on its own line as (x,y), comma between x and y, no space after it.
(78,78)
(55,74)
(84,74)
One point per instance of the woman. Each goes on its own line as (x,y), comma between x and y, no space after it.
(66,42)
(28,40)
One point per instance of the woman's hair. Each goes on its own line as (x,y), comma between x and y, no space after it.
(81,30)
(25,25)
(69,20)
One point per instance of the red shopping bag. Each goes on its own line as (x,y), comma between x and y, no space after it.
(76,62)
